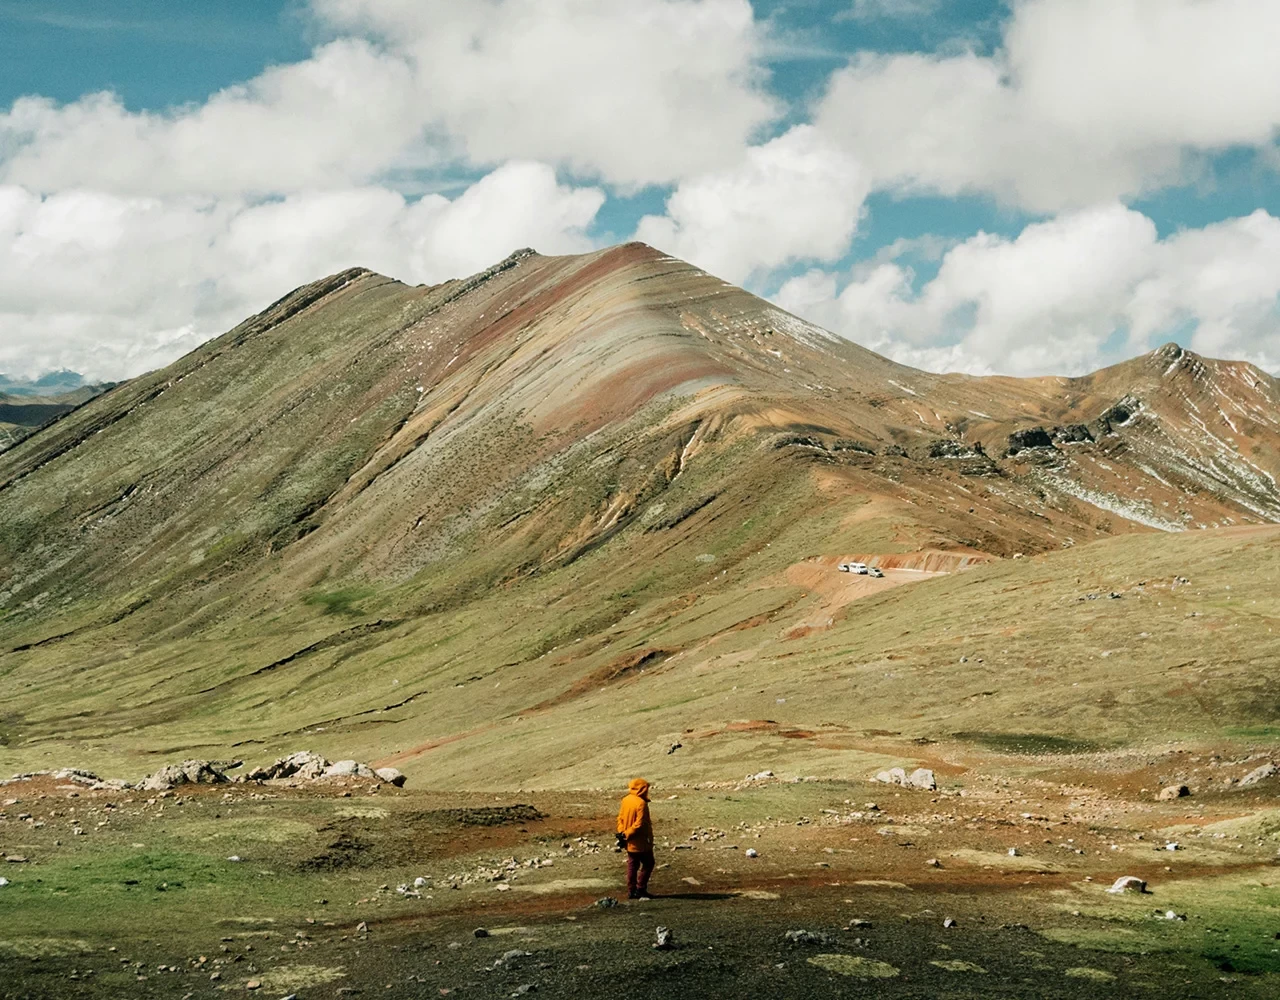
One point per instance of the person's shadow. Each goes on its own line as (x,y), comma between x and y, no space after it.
(700,896)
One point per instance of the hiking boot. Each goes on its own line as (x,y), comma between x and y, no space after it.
(633,894)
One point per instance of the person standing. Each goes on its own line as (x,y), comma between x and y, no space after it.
(635,836)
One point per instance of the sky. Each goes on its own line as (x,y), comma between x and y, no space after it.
(992,186)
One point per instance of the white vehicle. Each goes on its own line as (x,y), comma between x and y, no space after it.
(858,568)
(876,572)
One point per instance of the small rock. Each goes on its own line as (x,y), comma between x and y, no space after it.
(1173,845)
(1173,792)
(1013,852)
(948,923)
(253,984)
(752,852)
(15,859)
(665,939)
(419,882)
(362,927)
(4,882)
(933,863)
(520,991)
(480,932)
(1128,883)
(607,903)
(808,937)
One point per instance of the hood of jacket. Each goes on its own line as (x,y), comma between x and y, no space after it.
(640,787)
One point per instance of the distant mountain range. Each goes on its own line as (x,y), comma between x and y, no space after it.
(26,405)
(49,384)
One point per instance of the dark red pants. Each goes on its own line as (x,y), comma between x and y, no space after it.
(639,868)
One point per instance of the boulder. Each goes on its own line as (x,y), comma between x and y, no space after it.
(923,779)
(1128,883)
(348,769)
(1257,775)
(189,772)
(1173,792)
(303,764)
(391,776)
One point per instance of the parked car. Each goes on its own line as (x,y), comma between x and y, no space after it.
(876,572)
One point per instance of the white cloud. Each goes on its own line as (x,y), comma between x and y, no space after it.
(1088,100)
(112,285)
(794,198)
(1065,296)
(631,91)
(340,117)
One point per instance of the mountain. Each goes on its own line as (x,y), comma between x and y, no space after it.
(420,521)
(23,411)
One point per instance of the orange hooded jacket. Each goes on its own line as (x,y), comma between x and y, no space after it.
(633,817)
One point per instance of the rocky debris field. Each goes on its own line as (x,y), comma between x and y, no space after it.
(1055,878)
(303,766)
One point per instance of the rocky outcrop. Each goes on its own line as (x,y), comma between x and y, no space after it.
(1028,439)
(304,765)
(308,766)
(189,772)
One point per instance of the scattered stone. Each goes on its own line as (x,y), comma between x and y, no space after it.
(1173,845)
(4,882)
(1128,883)
(520,991)
(16,859)
(673,748)
(362,927)
(480,932)
(419,882)
(957,965)
(1257,775)
(1171,915)
(391,776)
(1014,852)
(666,941)
(808,937)
(933,863)
(253,984)
(948,923)
(235,857)
(752,852)
(607,903)
(761,776)
(1173,792)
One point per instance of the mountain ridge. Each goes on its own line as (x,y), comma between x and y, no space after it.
(505,475)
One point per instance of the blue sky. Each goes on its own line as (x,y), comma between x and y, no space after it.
(1022,187)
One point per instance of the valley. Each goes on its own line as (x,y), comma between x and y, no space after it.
(573,519)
